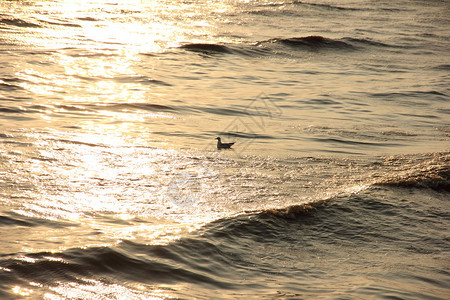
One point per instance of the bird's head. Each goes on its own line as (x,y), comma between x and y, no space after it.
(218,138)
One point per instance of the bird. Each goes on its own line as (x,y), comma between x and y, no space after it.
(221,145)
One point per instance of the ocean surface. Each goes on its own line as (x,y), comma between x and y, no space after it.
(337,187)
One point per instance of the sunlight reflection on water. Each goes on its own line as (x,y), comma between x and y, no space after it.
(108,114)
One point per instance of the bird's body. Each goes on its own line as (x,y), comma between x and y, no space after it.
(221,145)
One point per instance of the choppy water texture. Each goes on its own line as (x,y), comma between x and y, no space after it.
(337,186)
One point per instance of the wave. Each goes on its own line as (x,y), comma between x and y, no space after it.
(133,79)
(14,219)
(209,256)
(444,67)
(90,19)
(64,23)
(368,42)
(310,42)
(344,8)
(74,142)
(295,211)
(16,22)
(84,108)
(188,260)
(315,42)
(11,110)
(129,106)
(206,48)
(90,53)
(431,173)
(253,244)
(433,177)
(213,255)
(274,45)
(242,111)
(417,94)
(140,79)
(10,87)
(327,6)
(19,23)
(319,5)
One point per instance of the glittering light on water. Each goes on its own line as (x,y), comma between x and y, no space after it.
(21,291)
(94,289)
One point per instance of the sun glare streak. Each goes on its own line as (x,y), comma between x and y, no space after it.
(95,54)
(133,25)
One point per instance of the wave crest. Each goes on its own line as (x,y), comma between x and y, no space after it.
(434,174)
(294,211)
(436,178)
(309,42)
(206,48)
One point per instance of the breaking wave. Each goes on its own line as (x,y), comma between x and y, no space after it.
(434,177)
(432,173)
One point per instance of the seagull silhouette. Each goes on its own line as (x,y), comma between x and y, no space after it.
(221,145)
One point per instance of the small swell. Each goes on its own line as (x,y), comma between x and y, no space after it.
(19,23)
(415,94)
(206,48)
(11,110)
(445,67)
(61,23)
(132,79)
(73,108)
(90,54)
(8,221)
(10,87)
(292,44)
(313,42)
(367,42)
(352,142)
(336,7)
(267,224)
(79,143)
(5,136)
(318,5)
(153,264)
(14,219)
(326,6)
(140,80)
(245,111)
(90,19)
(132,106)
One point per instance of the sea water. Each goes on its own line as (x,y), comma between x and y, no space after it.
(112,187)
